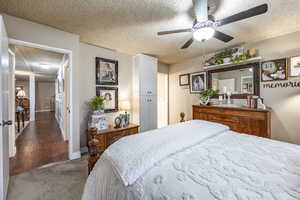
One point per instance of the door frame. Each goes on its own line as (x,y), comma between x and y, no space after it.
(12,111)
(72,155)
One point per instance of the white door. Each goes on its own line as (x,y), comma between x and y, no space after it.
(144,113)
(66,100)
(152,106)
(4,142)
(147,75)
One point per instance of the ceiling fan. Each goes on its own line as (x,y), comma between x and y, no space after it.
(205,25)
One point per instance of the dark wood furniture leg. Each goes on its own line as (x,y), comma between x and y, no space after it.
(23,118)
(18,121)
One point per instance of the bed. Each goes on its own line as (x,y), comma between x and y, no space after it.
(196,160)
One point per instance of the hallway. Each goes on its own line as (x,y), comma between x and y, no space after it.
(41,143)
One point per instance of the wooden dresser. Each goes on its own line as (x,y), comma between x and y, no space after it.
(243,120)
(98,141)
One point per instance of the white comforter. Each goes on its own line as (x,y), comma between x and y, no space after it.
(219,164)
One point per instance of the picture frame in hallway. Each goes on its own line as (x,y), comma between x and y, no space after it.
(110,95)
(198,82)
(184,79)
(106,71)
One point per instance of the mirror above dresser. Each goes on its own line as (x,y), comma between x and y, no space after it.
(240,80)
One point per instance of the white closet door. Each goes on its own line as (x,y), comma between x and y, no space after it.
(148,73)
(152,104)
(144,113)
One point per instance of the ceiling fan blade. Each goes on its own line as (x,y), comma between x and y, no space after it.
(201,10)
(222,36)
(244,15)
(175,31)
(188,43)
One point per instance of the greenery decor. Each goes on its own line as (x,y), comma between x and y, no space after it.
(208,93)
(240,58)
(96,103)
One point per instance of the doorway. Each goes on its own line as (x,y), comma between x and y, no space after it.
(41,102)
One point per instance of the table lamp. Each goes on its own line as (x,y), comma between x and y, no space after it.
(21,94)
(125,105)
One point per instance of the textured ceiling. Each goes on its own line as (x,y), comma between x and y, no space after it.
(130,26)
(32,61)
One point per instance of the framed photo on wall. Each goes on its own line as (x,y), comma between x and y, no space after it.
(184,79)
(110,95)
(197,82)
(274,70)
(294,66)
(106,71)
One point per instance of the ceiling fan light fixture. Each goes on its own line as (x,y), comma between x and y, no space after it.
(204,33)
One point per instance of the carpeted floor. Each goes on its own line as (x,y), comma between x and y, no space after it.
(61,181)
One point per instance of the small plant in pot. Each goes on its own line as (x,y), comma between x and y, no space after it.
(206,95)
(97,104)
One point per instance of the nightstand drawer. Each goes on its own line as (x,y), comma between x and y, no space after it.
(132,131)
(113,137)
(102,143)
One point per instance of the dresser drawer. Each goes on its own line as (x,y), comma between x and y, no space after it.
(222,118)
(242,120)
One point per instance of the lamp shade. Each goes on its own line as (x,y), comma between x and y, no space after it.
(125,105)
(21,93)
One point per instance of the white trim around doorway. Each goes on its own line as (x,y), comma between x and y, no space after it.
(72,155)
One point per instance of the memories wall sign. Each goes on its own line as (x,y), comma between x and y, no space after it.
(289,84)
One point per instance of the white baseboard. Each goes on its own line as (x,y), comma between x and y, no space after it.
(84,149)
(74,155)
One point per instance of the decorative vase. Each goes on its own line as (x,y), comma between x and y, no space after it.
(204,100)
(99,111)
(226,60)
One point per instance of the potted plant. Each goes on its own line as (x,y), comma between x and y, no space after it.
(97,103)
(206,95)
(224,56)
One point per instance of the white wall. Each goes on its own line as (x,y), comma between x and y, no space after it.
(285,102)
(44,35)
(162,95)
(88,53)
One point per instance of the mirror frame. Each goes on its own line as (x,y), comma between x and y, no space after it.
(256,79)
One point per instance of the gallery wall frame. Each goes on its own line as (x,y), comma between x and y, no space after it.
(294,66)
(110,95)
(274,70)
(184,80)
(198,82)
(106,71)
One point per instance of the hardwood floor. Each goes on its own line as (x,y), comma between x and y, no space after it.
(41,143)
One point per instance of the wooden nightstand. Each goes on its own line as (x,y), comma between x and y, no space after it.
(101,140)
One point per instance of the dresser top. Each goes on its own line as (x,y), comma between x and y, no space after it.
(234,108)
(111,128)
